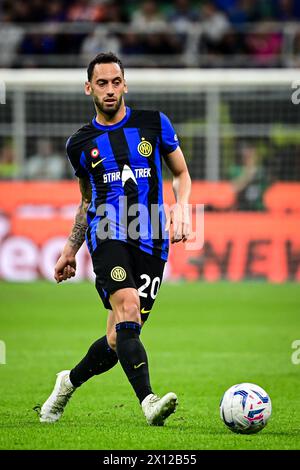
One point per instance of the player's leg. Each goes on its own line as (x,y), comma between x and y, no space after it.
(111,333)
(100,356)
(148,277)
(133,357)
(130,350)
(99,359)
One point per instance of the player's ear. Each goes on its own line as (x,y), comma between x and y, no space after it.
(87,88)
(125,87)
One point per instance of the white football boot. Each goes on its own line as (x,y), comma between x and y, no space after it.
(54,406)
(157,409)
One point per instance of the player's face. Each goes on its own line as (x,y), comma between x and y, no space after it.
(107,88)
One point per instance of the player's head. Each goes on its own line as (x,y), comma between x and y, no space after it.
(106,83)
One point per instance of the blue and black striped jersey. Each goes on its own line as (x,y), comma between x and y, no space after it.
(123,163)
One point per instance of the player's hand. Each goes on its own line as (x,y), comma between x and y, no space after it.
(178,222)
(65,268)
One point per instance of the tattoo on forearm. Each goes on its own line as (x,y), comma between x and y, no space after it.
(77,235)
(78,231)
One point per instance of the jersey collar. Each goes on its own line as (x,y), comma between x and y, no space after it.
(113,126)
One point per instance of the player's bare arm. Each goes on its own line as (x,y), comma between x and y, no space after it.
(65,267)
(179,213)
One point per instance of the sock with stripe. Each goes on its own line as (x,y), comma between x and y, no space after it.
(133,358)
(99,358)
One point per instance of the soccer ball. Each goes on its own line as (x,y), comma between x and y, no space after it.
(245,408)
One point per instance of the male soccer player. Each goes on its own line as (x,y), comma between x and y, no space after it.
(117,158)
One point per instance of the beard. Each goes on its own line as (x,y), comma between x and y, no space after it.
(103,108)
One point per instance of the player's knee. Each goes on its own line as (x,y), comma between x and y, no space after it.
(129,309)
(127,306)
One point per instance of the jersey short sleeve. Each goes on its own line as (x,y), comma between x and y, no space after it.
(169,139)
(74,154)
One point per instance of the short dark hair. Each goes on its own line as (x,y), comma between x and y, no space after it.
(104,58)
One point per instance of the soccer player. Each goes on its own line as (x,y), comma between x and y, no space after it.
(118,160)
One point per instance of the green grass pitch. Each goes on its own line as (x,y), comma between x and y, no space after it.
(201,338)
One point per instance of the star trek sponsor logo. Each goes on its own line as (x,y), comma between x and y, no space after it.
(127,174)
(144,148)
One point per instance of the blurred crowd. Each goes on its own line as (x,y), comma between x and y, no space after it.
(246,33)
(182,33)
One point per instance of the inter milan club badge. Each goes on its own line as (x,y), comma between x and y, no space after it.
(95,153)
(118,273)
(144,148)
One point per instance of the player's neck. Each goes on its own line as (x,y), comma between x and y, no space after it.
(106,120)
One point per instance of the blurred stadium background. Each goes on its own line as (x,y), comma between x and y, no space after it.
(223,71)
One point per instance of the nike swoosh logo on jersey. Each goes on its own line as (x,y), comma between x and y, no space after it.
(139,365)
(97,163)
(145,311)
